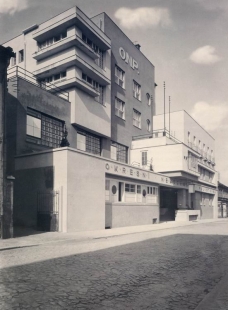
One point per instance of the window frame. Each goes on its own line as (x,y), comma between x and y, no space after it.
(136,90)
(21,56)
(119,110)
(137,122)
(118,77)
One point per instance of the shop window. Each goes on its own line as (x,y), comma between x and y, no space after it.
(136,118)
(119,77)
(119,152)
(119,108)
(136,90)
(130,188)
(44,129)
(21,55)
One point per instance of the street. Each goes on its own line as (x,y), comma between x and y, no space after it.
(171,269)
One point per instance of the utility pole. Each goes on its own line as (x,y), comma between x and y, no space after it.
(164,133)
(6,217)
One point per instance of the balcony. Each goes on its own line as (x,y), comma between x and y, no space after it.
(94,72)
(72,82)
(64,44)
(72,17)
(29,77)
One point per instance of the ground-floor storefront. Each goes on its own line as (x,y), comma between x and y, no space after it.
(69,190)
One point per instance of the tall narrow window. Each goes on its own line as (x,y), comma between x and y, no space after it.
(189,139)
(81,142)
(13,61)
(136,90)
(136,118)
(144,158)
(119,76)
(21,55)
(119,108)
(148,96)
(148,125)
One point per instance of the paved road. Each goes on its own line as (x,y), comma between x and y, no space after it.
(173,269)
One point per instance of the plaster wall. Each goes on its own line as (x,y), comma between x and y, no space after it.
(123,129)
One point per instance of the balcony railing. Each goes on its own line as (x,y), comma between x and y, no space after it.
(29,77)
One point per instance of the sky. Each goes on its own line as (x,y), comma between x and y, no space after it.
(186,40)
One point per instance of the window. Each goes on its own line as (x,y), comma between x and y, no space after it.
(107,190)
(144,158)
(119,152)
(119,77)
(192,162)
(148,125)
(52,40)
(33,126)
(53,78)
(81,142)
(119,108)
(136,118)
(13,61)
(148,96)
(21,55)
(88,142)
(136,90)
(138,189)
(96,86)
(130,188)
(99,60)
(43,129)
(189,139)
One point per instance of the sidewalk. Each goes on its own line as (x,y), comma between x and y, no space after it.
(50,237)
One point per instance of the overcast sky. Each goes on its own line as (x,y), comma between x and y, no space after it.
(186,40)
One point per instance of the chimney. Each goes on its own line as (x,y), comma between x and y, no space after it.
(138,46)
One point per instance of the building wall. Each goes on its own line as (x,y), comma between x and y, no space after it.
(123,130)
(180,124)
(85,187)
(23,95)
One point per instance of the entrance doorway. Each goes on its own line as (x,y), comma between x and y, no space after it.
(168,204)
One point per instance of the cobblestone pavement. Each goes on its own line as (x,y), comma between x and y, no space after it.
(171,270)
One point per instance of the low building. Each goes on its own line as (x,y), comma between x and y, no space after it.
(186,154)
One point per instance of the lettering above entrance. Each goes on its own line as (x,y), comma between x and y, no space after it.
(128,59)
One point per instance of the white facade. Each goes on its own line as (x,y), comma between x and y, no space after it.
(186,153)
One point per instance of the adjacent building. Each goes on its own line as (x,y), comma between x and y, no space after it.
(186,153)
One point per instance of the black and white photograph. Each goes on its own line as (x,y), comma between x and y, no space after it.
(113,155)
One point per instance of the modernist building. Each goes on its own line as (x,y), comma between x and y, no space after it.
(87,76)
(186,154)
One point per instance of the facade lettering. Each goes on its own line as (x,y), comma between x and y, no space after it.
(128,59)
